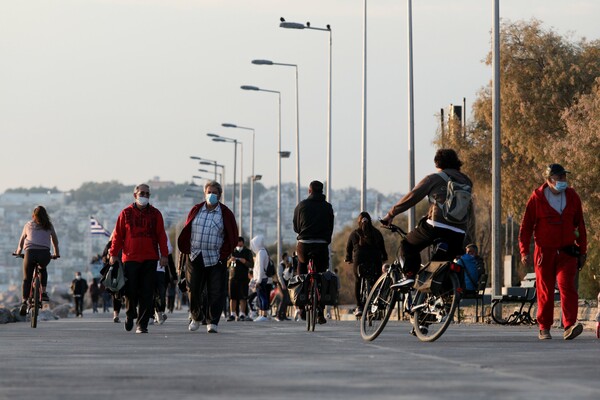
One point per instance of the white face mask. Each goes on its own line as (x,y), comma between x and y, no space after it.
(142,201)
(238,248)
(78,277)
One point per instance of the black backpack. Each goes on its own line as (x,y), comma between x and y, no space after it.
(270,267)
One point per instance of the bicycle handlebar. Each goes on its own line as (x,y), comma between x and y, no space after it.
(21,255)
(393,228)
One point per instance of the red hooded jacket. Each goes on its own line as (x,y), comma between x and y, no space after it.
(139,233)
(549,228)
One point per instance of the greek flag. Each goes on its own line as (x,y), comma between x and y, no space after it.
(97,229)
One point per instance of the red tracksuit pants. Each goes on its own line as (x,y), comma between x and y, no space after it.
(554,267)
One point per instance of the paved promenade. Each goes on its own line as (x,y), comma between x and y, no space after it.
(93,358)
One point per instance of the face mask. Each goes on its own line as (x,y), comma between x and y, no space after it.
(211,199)
(561,186)
(78,278)
(238,248)
(142,201)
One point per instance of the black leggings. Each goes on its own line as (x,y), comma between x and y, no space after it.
(31,259)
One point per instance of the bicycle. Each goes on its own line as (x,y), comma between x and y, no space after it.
(314,297)
(431,312)
(34,302)
(367,280)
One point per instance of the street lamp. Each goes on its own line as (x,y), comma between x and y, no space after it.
(223,139)
(295,25)
(208,172)
(255,88)
(205,161)
(226,125)
(269,62)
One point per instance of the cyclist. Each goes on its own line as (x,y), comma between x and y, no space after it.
(432,227)
(313,222)
(365,249)
(35,240)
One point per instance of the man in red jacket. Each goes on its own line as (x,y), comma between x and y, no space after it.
(139,233)
(208,238)
(555,219)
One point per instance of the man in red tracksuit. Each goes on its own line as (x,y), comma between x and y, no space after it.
(139,233)
(555,218)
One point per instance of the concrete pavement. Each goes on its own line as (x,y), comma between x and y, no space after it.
(94,358)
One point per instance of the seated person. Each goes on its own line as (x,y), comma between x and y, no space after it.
(472,265)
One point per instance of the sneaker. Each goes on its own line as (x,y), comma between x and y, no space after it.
(545,334)
(211,328)
(23,309)
(116,320)
(404,284)
(573,331)
(262,318)
(231,318)
(194,325)
(321,320)
(358,312)
(278,319)
(242,317)
(128,324)
(163,318)
(45,297)
(141,330)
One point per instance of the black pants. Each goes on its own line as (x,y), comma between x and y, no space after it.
(423,236)
(214,279)
(160,292)
(319,252)
(139,290)
(78,299)
(284,302)
(30,260)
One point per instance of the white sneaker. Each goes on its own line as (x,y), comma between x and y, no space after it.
(210,328)
(194,325)
(262,318)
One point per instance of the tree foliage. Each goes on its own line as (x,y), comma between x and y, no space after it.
(549,113)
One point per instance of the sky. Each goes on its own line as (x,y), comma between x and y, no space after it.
(126,90)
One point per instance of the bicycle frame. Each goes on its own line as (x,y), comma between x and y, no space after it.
(314,297)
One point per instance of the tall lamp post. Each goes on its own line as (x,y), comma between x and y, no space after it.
(227,125)
(223,139)
(269,62)
(255,88)
(411,119)
(205,161)
(208,172)
(295,25)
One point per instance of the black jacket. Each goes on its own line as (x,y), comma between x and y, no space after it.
(313,218)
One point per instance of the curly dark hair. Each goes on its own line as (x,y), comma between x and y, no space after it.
(447,158)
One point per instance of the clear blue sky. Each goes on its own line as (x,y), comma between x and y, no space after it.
(96,90)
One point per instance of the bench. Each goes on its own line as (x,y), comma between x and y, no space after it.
(526,301)
(477,295)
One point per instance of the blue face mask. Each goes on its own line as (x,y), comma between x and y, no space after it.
(212,199)
(561,186)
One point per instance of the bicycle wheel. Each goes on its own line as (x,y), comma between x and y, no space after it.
(35,305)
(433,313)
(313,306)
(378,307)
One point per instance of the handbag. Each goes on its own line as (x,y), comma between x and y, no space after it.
(298,290)
(114,280)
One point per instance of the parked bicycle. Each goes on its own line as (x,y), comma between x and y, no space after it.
(431,309)
(35,302)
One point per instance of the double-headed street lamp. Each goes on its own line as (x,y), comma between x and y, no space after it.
(208,172)
(223,139)
(226,125)
(279,154)
(205,161)
(269,62)
(295,25)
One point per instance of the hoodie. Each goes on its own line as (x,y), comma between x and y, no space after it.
(261,260)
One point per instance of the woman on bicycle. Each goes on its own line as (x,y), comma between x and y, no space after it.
(35,242)
(365,250)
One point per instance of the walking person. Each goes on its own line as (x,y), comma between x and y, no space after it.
(313,222)
(164,275)
(207,239)
(94,294)
(38,234)
(554,217)
(117,297)
(285,271)
(139,234)
(79,287)
(240,262)
(365,250)
(263,282)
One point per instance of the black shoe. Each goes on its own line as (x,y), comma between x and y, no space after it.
(116,320)
(303,315)
(141,330)
(23,309)
(128,324)
(404,285)
(321,320)
(231,318)
(45,297)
